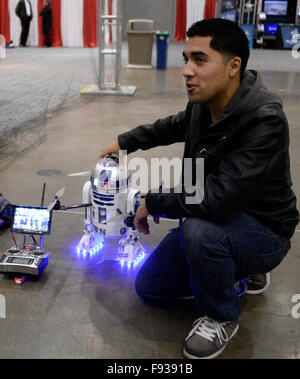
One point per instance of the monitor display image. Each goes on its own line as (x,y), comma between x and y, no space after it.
(275,8)
(31,220)
(228,5)
(271,29)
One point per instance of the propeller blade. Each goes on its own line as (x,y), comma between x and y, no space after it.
(83,173)
(60,192)
(51,205)
(58,195)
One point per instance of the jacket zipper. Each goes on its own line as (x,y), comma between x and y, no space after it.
(204,151)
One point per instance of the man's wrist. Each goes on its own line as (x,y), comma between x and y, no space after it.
(151,204)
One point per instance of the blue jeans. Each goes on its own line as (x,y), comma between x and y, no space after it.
(204,259)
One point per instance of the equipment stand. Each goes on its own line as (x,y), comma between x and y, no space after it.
(110,48)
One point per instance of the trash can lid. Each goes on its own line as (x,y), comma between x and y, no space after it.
(162,33)
(140,25)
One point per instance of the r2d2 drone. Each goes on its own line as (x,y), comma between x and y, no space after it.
(110,205)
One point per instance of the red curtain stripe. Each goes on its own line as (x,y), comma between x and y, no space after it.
(90,21)
(40,23)
(180,26)
(210,9)
(56,38)
(4,20)
(110,11)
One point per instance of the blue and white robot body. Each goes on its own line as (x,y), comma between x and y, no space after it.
(113,201)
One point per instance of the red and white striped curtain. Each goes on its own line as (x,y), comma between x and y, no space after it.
(190,11)
(74,23)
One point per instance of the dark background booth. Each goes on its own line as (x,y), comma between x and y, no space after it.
(280,29)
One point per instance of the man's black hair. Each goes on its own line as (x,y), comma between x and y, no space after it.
(227,38)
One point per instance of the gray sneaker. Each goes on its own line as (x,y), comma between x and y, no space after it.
(208,338)
(258,283)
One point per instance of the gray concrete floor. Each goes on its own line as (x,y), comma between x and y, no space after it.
(88,308)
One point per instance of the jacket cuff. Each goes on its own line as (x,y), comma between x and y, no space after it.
(124,142)
(162,204)
(151,204)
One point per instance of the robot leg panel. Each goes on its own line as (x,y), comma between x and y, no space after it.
(89,242)
(86,198)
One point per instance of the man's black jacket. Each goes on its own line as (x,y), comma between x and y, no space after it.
(46,13)
(246,159)
(21,9)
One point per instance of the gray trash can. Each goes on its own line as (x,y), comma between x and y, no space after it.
(140,34)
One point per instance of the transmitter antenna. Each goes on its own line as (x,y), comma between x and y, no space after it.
(43,194)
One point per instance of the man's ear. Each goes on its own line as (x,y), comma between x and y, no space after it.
(234,66)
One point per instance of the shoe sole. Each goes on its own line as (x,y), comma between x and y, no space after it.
(258,292)
(214,355)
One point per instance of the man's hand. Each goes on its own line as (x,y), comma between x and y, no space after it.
(140,219)
(112,149)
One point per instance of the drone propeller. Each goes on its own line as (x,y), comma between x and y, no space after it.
(58,195)
(83,173)
(52,205)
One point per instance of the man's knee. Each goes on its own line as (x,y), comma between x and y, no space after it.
(199,233)
(139,285)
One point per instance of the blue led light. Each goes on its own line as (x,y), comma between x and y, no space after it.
(132,264)
(89,252)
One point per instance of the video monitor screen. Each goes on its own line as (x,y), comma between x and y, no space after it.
(275,8)
(228,5)
(271,29)
(31,220)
